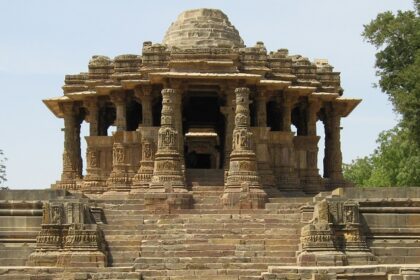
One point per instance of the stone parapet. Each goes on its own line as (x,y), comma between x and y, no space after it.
(68,237)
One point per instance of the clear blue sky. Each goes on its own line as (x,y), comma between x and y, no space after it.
(41,41)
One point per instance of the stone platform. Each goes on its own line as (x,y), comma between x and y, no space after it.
(211,242)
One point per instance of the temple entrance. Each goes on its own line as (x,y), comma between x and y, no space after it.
(204,127)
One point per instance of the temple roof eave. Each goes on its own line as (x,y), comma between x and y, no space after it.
(348,104)
(54,104)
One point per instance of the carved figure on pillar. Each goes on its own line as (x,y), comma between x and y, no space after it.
(142,179)
(167,189)
(243,188)
(93,182)
(120,177)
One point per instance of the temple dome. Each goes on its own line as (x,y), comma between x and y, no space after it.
(202,28)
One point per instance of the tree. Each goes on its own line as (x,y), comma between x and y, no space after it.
(396,161)
(397,38)
(3,160)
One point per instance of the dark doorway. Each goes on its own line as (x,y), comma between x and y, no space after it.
(198,161)
(203,161)
(201,112)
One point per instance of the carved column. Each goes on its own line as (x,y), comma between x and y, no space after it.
(121,111)
(142,179)
(282,148)
(147,113)
(69,174)
(78,150)
(309,177)
(145,96)
(121,174)
(242,187)
(177,107)
(168,190)
(333,157)
(261,101)
(93,116)
(313,109)
(229,112)
(93,181)
(286,109)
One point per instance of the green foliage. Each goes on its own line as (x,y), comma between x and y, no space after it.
(397,38)
(3,160)
(395,162)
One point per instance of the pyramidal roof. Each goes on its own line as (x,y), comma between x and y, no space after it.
(202,28)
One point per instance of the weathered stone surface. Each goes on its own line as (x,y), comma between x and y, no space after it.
(202,28)
(203,177)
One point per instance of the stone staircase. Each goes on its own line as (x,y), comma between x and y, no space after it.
(204,177)
(206,242)
(123,229)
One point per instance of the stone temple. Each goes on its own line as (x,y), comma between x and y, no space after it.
(209,172)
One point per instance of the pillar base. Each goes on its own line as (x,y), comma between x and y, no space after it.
(66,185)
(243,197)
(94,186)
(333,183)
(321,258)
(119,182)
(141,183)
(287,179)
(67,259)
(166,202)
(164,197)
(360,258)
(312,182)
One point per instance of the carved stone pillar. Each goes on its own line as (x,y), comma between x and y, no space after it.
(78,150)
(93,116)
(120,177)
(93,181)
(229,112)
(145,97)
(177,108)
(309,177)
(167,190)
(142,179)
(313,109)
(333,157)
(286,109)
(261,112)
(121,111)
(69,174)
(243,188)
(147,113)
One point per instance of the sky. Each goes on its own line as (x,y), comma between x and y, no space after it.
(42,41)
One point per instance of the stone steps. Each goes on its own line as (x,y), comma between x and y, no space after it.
(202,241)
(201,272)
(15,255)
